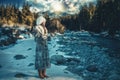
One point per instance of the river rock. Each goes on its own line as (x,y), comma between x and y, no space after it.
(19,75)
(92,68)
(31,64)
(58,59)
(72,61)
(18,57)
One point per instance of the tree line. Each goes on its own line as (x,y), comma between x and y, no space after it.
(105,16)
(10,14)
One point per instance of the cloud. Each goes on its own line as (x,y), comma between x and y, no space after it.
(55,6)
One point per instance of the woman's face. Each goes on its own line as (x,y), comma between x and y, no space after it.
(43,24)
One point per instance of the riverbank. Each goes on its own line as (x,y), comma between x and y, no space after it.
(17,63)
(74,56)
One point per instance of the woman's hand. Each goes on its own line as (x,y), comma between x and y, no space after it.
(52,34)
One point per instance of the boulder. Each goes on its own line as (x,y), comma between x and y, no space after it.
(20,75)
(72,61)
(55,25)
(6,37)
(92,68)
(18,57)
(58,59)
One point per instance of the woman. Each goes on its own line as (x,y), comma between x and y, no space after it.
(42,60)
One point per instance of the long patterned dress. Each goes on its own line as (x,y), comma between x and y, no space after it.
(42,60)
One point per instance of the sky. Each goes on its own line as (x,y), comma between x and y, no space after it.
(55,7)
(59,6)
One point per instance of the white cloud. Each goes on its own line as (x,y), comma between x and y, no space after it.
(67,6)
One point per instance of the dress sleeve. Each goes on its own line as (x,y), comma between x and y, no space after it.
(38,32)
(45,35)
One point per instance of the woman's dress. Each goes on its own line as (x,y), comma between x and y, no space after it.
(42,60)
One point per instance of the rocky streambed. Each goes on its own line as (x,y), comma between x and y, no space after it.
(89,56)
(92,57)
(9,36)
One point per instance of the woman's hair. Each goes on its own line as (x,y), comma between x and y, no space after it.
(40,20)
